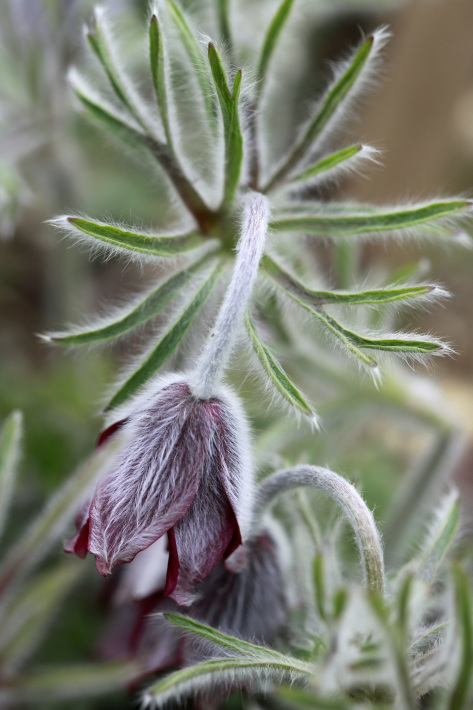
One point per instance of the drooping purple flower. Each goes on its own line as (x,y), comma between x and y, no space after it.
(184,471)
(185,468)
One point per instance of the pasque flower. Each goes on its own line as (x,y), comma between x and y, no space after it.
(185,469)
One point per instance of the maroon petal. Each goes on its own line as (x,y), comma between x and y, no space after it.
(109,431)
(202,537)
(78,544)
(155,478)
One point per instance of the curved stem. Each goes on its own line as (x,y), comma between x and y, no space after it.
(345,494)
(221,339)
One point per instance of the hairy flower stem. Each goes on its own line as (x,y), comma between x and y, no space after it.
(219,345)
(355,509)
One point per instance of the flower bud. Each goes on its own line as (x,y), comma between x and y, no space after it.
(185,471)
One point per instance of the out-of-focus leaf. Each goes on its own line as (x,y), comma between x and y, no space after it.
(126,240)
(231,123)
(10,439)
(233,644)
(101,42)
(460,696)
(114,123)
(271,39)
(197,59)
(442,533)
(49,526)
(290,284)
(68,681)
(156,56)
(28,616)
(223,12)
(329,110)
(147,308)
(223,672)
(276,375)
(382,220)
(170,341)
(299,698)
(320,585)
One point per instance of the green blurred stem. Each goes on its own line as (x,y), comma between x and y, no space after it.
(419,487)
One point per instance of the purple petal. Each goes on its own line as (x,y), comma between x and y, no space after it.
(155,478)
(78,544)
(206,533)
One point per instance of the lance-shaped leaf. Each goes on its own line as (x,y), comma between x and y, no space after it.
(124,241)
(271,40)
(231,123)
(9,454)
(49,526)
(156,57)
(231,643)
(333,106)
(197,58)
(170,341)
(224,672)
(300,698)
(101,42)
(372,222)
(145,309)
(30,614)
(442,533)
(115,123)
(223,13)
(67,682)
(276,374)
(460,696)
(292,286)
(346,160)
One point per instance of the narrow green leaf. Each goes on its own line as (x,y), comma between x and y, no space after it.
(112,121)
(320,587)
(127,240)
(354,342)
(197,58)
(271,40)
(28,617)
(10,439)
(276,375)
(223,12)
(101,43)
(300,698)
(428,639)
(291,285)
(49,525)
(224,671)
(149,307)
(170,341)
(231,123)
(337,225)
(156,56)
(461,691)
(233,644)
(331,104)
(328,163)
(69,681)
(441,536)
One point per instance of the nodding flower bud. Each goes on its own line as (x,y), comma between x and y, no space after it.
(249,603)
(185,470)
